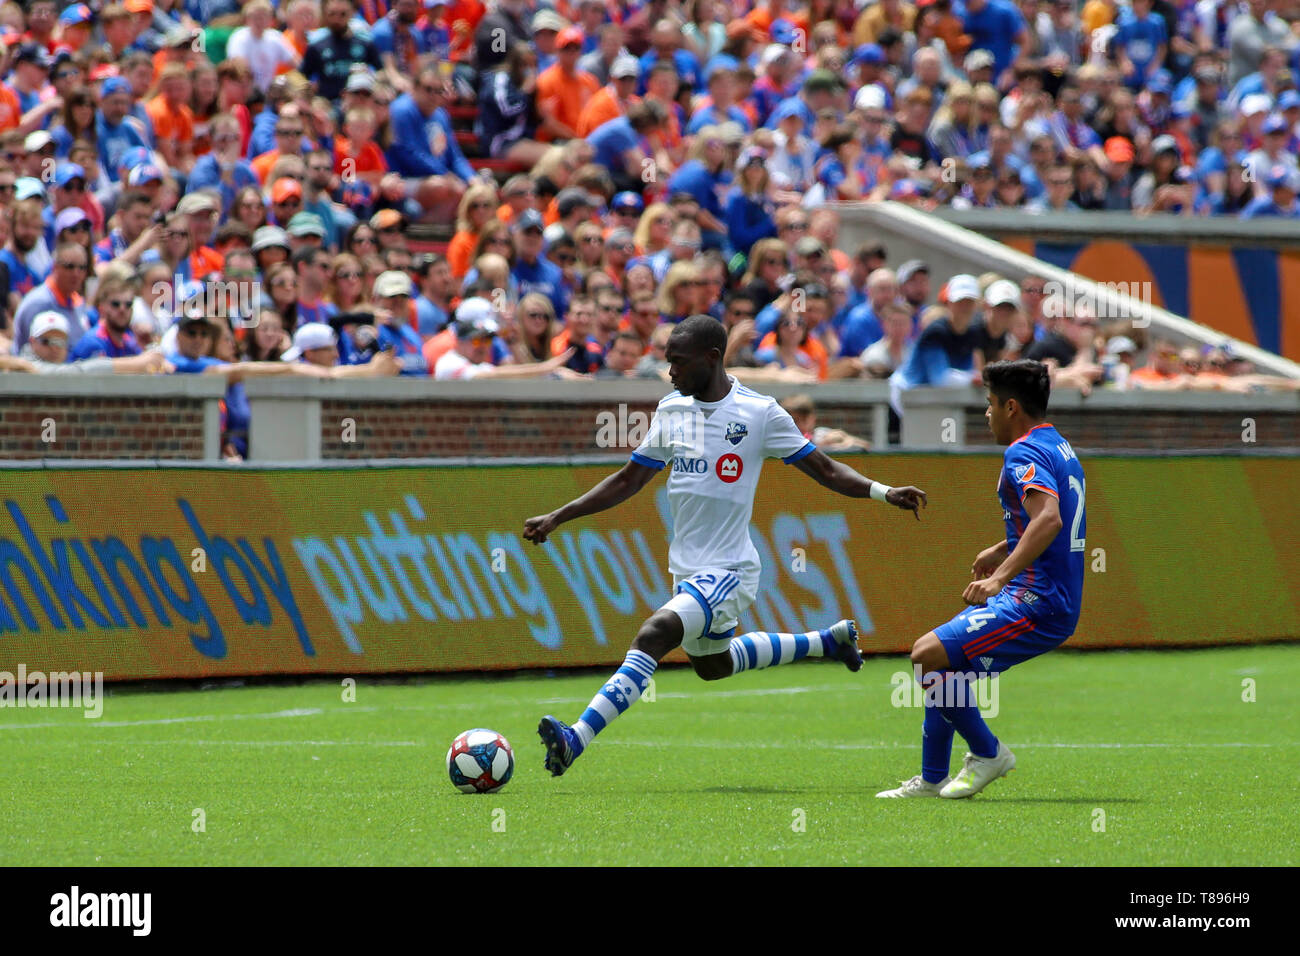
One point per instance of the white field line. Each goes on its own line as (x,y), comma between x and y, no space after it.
(822,745)
(192,719)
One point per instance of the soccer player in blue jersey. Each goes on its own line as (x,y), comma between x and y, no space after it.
(1026,589)
(713,434)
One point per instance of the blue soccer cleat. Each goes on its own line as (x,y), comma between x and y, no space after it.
(845,636)
(562,744)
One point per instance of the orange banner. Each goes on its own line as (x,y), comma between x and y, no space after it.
(189,572)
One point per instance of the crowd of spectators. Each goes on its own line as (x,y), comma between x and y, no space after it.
(229,188)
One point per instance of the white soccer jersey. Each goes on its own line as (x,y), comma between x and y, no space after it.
(715,451)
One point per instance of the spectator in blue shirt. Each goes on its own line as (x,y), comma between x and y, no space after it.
(703,176)
(1140,43)
(998,27)
(223,169)
(864,326)
(532,271)
(424,149)
(620,145)
(111,336)
(750,213)
(1281,199)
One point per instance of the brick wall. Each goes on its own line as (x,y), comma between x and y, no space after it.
(95,427)
(447,429)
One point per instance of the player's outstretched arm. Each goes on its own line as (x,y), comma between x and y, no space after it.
(837,476)
(1044,525)
(615,489)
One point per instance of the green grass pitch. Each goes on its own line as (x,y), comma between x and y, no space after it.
(1125,758)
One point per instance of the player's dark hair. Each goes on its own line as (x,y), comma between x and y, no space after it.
(1027,381)
(704,332)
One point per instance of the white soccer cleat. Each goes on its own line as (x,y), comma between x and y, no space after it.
(916,787)
(978,772)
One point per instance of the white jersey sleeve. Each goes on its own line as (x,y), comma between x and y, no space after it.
(656,449)
(782,439)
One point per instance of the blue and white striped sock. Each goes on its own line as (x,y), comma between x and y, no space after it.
(759,649)
(619,693)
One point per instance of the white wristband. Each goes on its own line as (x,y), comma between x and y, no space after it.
(878,491)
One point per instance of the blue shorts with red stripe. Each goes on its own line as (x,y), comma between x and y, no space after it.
(1005,632)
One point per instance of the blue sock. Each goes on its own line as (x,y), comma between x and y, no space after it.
(759,649)
(619,693)
(956,697)
(936,746)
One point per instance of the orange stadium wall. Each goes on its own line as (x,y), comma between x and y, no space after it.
(1251,294)
(153,573)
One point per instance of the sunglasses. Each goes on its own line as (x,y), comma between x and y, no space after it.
(481,205)
(360,239)
(288,132)
(75,187)
(73,266)
(53,343)
(795,226)
(194,328)
(534,315)
(347,275)
(117,303)
(291,201)
(79,227)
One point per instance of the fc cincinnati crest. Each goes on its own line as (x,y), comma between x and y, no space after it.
(1024,473)
(736,431)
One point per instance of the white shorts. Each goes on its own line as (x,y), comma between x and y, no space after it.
(709,604)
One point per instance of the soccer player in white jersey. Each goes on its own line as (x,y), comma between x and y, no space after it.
(714,434)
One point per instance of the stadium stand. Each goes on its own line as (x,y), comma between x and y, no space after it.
(416,188)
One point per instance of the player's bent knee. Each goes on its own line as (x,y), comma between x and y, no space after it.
(660,633)
(713,667)
(929,655)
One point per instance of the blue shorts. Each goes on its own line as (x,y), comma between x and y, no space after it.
(1005,632)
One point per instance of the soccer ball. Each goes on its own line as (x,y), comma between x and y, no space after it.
(480,761)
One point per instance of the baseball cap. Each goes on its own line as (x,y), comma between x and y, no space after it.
(547,19)
(809,246)
(392,283)
(1002,292)
(1119,150)
(1121,345)
(978,60)
(771,54)
(285,188)
(1160,83)
(870,97)
(910,268)
(786,109)
(963,286)
(65,173)
(750,156)
(627,200)
(197,202)
(359,80)
(528,219)
(1276,123)
(314,335)
(620,237)
(569,36)
(306,224)
(32,53)
(37,141)
(139,6)
(385,219)
(269,237)
(27,187)
(114,84)
(868,53)
(571,199)
(474,319)
(143,175)
(1164,144)
(46,322)
(822,81)
(1255,103)
(1288,100)
(1277,176)
(70,218)
(77,13)
(133,157)
(625,66)
(783,31)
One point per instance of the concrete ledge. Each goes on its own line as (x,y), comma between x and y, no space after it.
(112,386)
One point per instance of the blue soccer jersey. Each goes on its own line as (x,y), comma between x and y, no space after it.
(1041,460)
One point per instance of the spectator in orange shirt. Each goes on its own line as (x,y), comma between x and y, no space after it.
(301,17)
(761,17)
(462,18)
(289,131)
(173,123)
(11,111)
(356,153)
(612,100)
(198,212)
(474,212)
(563,90)
(519,194)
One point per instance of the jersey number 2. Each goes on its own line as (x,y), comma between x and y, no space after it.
(1077,486)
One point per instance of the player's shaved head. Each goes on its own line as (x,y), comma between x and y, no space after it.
(1027,381)
(700,333)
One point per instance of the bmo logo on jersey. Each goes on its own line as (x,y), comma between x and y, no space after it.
(729,468)
(691,466)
